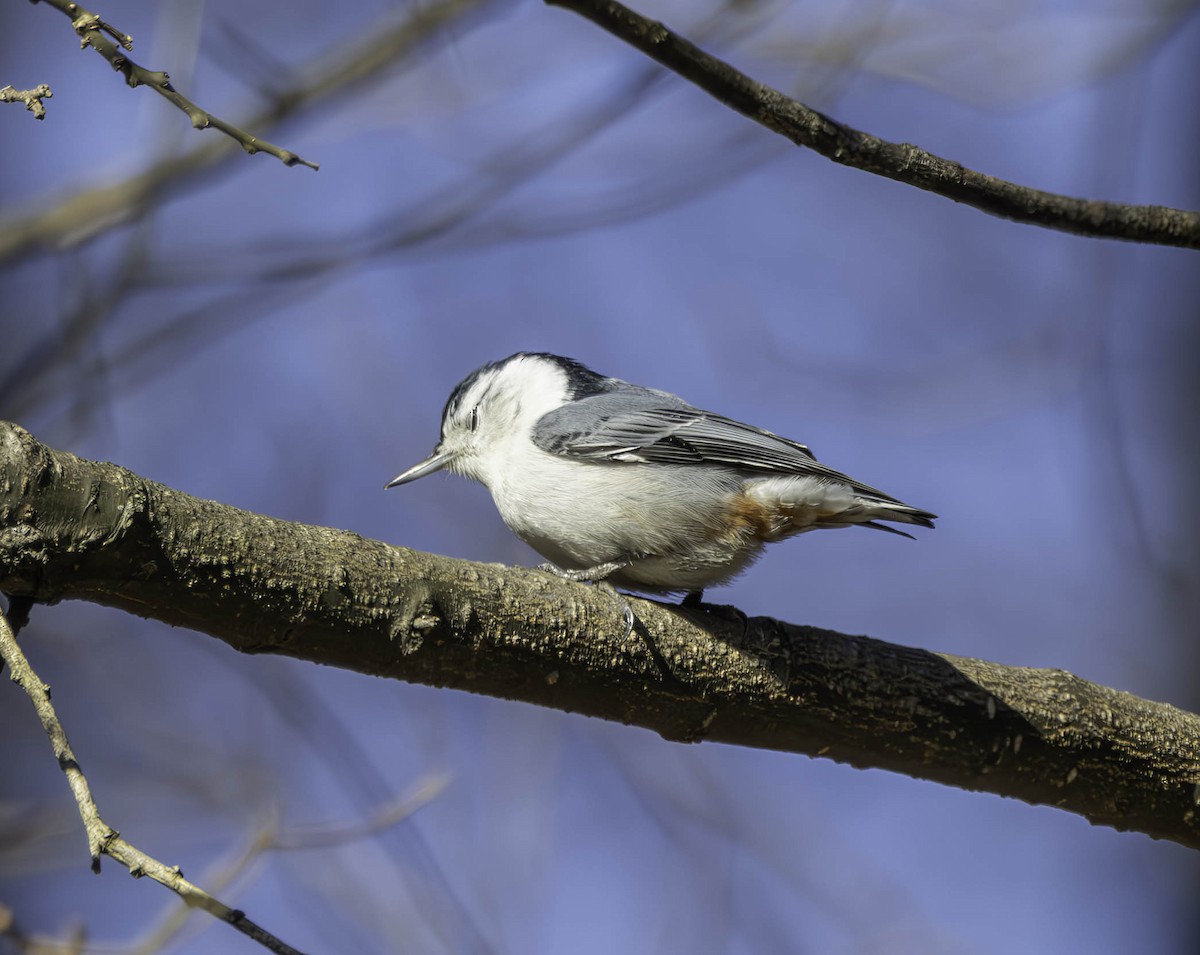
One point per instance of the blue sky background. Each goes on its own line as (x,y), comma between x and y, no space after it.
(285,340)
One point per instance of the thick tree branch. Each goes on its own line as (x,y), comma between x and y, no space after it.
(900,161)
(102,838)
(71,528)
(95,33)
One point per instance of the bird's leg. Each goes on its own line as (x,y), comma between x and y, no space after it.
(693,599)
(595,575)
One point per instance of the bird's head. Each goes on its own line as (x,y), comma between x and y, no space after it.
(497,405)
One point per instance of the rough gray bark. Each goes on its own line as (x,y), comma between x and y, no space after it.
(75,529)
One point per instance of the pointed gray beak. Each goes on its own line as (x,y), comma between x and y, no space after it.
(435,462)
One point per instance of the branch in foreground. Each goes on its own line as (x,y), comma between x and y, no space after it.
(76,529)
(31,98)
(900,161)
(102,838)
(92,30)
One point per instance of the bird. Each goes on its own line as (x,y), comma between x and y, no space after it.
(632,486)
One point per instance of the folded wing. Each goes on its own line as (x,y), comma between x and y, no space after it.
(649,429)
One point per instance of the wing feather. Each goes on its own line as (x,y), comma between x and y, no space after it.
(651,428)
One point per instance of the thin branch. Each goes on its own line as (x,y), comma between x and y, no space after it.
(90,212)
(96,33)
(76,529)
(900,161)
(31,98)
(102,838)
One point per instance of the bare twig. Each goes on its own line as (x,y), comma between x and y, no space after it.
(102,838)
(71,528)
(92,32)
(89,212)
(18,616)
(31,98)
(900,161)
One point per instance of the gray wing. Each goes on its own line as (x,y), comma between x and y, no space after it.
(657,428)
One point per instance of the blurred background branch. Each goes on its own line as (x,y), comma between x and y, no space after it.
(364,58)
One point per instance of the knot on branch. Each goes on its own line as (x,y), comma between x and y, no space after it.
(87,23)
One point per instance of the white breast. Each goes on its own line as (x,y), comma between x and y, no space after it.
(671,521)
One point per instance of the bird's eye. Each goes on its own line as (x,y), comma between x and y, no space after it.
(474,418)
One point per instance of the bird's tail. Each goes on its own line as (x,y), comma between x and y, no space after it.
(878,510)
(793,505)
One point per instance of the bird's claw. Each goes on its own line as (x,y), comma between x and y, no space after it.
(595,576)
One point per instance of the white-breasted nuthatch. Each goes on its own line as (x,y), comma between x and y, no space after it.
(612,481)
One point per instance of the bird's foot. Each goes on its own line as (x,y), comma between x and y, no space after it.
(587,575)
(694,600)
(595,575)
